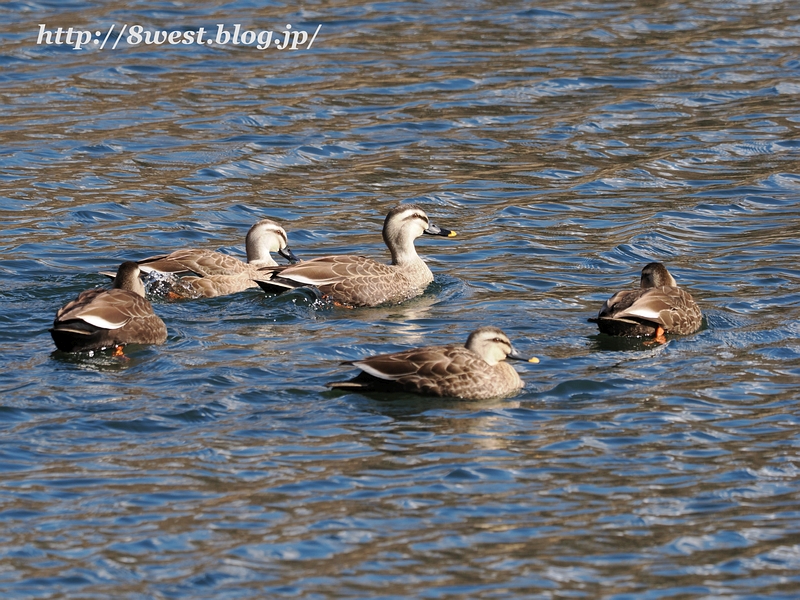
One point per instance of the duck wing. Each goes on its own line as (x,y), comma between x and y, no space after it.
(434,370)
(618,303)
(197,262)
(99,319)
(104,309)
(671,307)
(329,270)
(346,279)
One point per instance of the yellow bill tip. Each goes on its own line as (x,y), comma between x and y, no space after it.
(533,360)
(452,234)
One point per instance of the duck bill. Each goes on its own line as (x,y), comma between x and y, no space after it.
(288,255)
(434,230)
(517,356)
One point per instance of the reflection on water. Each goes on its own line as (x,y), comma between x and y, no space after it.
(568,144)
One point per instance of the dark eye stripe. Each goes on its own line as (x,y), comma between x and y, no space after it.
(416,216)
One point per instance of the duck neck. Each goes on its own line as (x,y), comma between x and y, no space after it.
(129,282)
(259,261)
(259,255)
(403,251)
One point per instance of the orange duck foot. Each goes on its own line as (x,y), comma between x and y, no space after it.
(658,337)
(327,298)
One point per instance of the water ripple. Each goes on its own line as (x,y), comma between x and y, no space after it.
(568,144)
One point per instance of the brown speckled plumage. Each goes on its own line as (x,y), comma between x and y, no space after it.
(360,281)
(206,273)
(658,302)
(474,371)
(99,319)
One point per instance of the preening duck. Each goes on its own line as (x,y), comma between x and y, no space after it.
(99,319)
(659,306)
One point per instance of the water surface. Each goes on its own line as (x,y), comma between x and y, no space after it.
(568,143)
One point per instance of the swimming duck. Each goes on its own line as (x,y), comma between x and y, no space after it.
(352,280)
(659,306)
(99,318)
(206,273)
(475,371)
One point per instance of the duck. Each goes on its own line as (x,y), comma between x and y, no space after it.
(109,318)
(475,371)
(658,307)
(199,273)
(356,281)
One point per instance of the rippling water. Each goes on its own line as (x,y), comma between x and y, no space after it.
(568,143)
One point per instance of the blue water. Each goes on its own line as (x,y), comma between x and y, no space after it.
(568,144)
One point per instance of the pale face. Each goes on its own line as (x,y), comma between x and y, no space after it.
(490,344)
(270,234)
(411,221)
